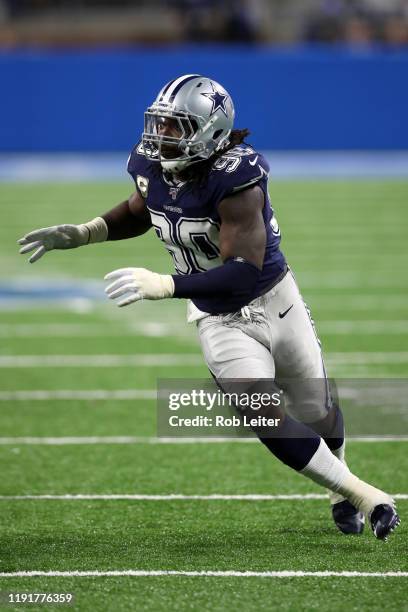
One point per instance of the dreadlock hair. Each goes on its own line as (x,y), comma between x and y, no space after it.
(198,173)
(237,137)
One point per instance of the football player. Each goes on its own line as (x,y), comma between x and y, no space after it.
(205,193)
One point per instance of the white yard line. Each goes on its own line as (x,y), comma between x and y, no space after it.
(175,359)
(101,361)
(44,330)
(72,394)
(78,330)
(177,497)
(364,358)
(375,301)
(362,390)
(204,573)
(318,299)
(72,440)
(68,440)
(362,328)
(159,329)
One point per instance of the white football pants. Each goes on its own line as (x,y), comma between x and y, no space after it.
(274,338)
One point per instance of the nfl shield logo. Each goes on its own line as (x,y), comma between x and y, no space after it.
(173,191)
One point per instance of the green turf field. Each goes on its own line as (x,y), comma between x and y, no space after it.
(347,245)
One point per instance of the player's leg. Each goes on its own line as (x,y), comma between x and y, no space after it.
(297,355)
(331,427)
(235,348)
(231,353)
(297,352)
(299,368)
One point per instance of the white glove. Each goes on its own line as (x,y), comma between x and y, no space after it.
(140,284)
(63,237)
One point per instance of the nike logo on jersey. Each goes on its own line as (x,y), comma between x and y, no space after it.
(283,314)
(253,162)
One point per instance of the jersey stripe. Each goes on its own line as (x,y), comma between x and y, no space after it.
(256,179)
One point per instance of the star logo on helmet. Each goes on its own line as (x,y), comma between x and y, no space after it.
(218,100)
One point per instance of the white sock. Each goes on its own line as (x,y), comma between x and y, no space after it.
(325,469)
(363,495)
(340,452)
(336,498)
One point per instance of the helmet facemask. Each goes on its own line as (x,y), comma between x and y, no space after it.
(176,152)
(201,114)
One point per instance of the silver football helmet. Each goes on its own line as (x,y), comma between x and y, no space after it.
(201,114)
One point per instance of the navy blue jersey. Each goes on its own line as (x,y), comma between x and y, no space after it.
(185,214)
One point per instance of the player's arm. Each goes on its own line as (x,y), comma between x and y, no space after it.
(242,246)
(129,219)
(242,232)
(126,220)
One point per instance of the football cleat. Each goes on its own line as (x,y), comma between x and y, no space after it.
(384,519)
(347,518)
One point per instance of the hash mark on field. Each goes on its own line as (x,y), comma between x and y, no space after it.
(206,573)
(178,497)
(62,441)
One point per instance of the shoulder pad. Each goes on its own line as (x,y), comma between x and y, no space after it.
(138,168)
(238,169)
(136,159)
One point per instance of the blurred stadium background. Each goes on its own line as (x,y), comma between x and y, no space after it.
(95,22)
(323,87)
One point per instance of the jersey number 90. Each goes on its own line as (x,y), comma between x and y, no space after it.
(192,243)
